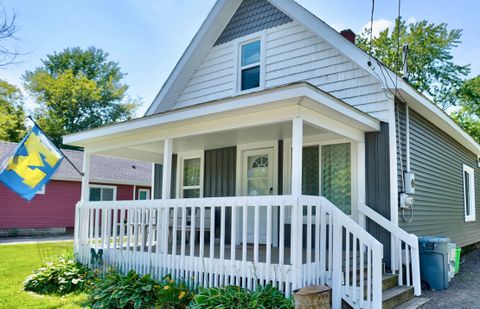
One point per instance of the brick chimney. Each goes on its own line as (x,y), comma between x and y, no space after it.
(349,35)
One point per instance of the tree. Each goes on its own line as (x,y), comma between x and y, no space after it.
(77,90)
(468,113)
(12,116)
(8,52)
(430,65)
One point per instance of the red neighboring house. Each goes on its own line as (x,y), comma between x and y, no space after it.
(52,211)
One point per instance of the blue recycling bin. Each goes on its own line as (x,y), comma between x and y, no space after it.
(434,261)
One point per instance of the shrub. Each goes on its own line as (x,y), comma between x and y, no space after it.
(174,294)
(115,290)
(61,276)
(236,297)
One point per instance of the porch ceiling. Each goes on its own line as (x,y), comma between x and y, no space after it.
(153,151)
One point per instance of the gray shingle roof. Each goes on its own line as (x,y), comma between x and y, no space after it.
(252,16)
(102,168)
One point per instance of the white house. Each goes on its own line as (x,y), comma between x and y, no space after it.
(279,154)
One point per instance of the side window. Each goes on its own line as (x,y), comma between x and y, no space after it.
(144,194)
(102,193)
(250,57)
(469,193)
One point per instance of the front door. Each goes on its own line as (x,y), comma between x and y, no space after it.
(257,180)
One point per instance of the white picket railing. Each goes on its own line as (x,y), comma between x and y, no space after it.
(407,261)
(288,241)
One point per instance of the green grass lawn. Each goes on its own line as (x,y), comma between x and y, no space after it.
(17,262)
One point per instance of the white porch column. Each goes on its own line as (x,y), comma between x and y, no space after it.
(361,180)
(81,214)
(152,183)
(297,212)
(297,153)
(167,168)
(86,176)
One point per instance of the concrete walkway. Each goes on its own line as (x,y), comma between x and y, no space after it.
(463,291)
(33,239)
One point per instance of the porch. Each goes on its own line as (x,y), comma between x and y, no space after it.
(232,186)
(162,237)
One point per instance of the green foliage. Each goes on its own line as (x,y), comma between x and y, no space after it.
(236,297)
(77,90)
(114,290)
(12,115)
(468,113)
(430,62)
(62,276)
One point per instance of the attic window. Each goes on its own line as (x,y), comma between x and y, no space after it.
(250,65)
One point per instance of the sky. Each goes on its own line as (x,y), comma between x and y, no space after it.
(147,37)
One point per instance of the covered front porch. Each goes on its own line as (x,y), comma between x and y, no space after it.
(255,189)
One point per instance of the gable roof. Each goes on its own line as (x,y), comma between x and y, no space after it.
(103,169)
(218,19)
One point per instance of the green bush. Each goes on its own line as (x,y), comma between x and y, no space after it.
(174,294)
(115,290)
(62,276)
(236,297)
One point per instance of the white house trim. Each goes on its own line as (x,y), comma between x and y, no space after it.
(471,193)
(181,157)
(294,94)
(238,43)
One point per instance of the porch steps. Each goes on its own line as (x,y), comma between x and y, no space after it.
(395,296)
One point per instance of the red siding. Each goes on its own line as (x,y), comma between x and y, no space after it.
(56,208)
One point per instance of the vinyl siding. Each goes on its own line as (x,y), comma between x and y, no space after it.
(437,162)
(54,209)
(292,54)
(377,160)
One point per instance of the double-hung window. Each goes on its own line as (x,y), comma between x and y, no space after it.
(103,193)
(469,193)
(191,176)
(250,68)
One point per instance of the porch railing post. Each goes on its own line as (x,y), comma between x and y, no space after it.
(337,242)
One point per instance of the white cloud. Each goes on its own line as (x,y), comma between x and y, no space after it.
(378,26)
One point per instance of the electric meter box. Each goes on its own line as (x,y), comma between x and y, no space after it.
(409,183)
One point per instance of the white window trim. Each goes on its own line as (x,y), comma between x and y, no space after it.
(238,43)
(146,191)
(107,187)
(181,158)
(471,173)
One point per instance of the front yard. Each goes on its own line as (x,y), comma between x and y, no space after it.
(17,262)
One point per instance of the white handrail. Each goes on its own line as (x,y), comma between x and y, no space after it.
(411,239)
(411,248)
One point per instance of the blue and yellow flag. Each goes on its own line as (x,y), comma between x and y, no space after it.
(32,165)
